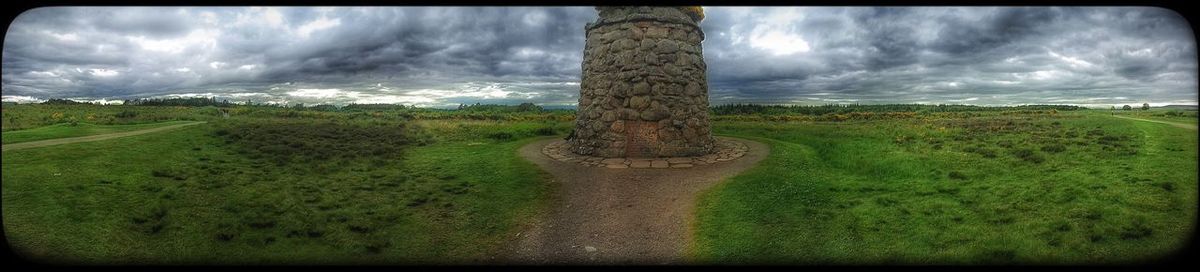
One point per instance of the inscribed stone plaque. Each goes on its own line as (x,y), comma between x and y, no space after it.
(641,138)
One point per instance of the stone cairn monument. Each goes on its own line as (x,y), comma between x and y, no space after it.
(644,91)
(643,102)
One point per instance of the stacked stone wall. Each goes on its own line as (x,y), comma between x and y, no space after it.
(644,92)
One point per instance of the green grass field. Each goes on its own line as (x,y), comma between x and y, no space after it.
(283,186)
(206,198)
(1076,188)
(66,130)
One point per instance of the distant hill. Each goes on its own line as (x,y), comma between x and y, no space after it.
(1182,107)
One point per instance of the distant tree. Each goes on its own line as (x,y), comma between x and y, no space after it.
(1126,107)
(1145,106)
(59,101)
(524,107)
(324,107)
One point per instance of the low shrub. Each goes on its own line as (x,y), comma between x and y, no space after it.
(500,136)
(544,131)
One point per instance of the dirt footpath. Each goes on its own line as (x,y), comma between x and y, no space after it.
(1174,124)
(618,216)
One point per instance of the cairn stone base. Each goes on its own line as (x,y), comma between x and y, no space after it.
(724,150)
(644,92)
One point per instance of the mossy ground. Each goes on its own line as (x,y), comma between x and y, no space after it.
(1077,188)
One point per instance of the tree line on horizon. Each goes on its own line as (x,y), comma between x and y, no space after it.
(724,109)
(736,109)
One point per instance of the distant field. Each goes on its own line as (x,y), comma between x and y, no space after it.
(1068,188)
(66,130)
(28,116)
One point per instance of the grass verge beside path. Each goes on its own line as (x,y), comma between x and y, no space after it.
(1045,190)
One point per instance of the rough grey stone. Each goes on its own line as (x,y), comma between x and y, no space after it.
(643,64)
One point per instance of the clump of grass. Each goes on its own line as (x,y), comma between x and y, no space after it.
(226,232)
(151,220)
(1028,155)
(1166,185)
(1109,140)
(1005,143)
(1054,148)
(376,246)
(1137,230)
(171,173)
(957,175)
(985,152)
(500,136)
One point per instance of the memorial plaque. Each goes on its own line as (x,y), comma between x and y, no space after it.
(640,139)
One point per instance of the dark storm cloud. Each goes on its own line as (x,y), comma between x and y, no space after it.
(449,55)
(951,55)
(1004,27)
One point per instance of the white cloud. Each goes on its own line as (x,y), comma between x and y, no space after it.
(21,99)
(201,37)
(322,93)
(777,42)
(70,37)
(319,24)
(103,72)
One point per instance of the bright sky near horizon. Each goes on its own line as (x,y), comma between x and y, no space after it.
(444,56)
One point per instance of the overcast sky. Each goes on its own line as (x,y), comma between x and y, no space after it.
(449,55)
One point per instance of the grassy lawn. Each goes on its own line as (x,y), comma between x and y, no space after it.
(285,186)
(1062,189)
(278,192)
(66,130)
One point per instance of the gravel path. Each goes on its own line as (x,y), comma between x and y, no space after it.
(618,216)
(89,138)
(1178,125)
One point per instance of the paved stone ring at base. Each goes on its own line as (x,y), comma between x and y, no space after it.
(724,150)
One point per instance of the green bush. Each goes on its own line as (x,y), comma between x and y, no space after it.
(544,131)
(500,136)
